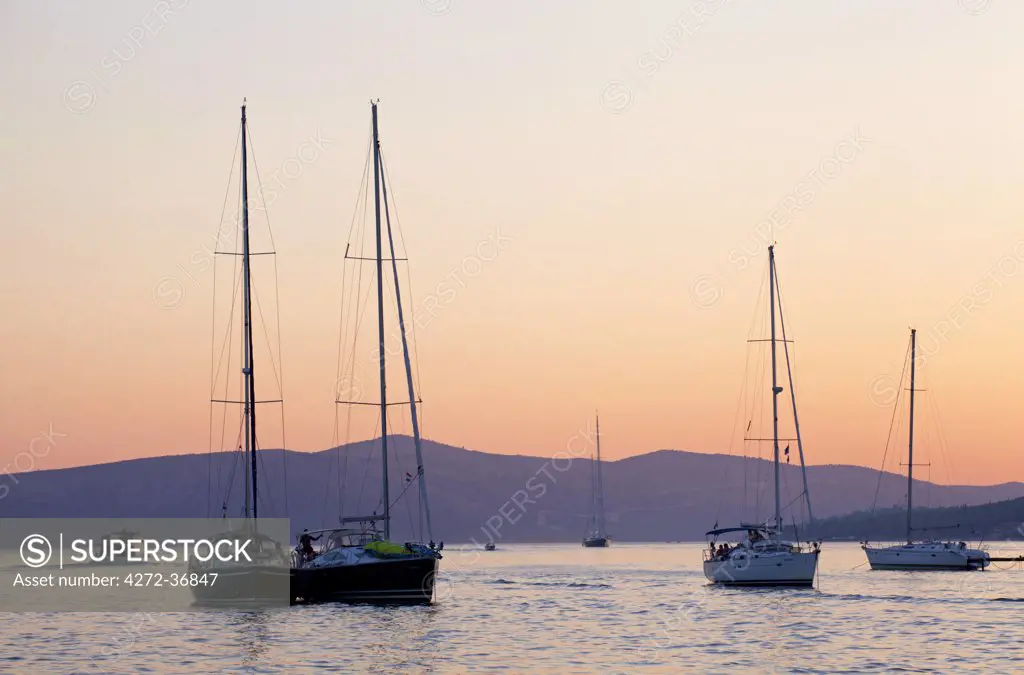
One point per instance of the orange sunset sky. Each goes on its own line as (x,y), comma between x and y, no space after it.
(631,156)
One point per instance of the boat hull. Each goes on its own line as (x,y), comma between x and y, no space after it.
(790,569)
(595,542)
(923,558)
(407,581)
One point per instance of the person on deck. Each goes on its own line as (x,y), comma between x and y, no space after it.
(306,545)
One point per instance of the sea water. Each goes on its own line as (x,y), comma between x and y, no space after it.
(539,609)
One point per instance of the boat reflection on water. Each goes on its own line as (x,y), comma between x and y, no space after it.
(253,637)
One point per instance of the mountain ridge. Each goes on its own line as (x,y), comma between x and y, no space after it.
(663,495)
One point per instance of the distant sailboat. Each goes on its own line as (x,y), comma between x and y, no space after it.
(596,536)
(922,555)
(763,558)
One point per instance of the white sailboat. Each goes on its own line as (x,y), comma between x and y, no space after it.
(763,558)
(922,555)
(596,536)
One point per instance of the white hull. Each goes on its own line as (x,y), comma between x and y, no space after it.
(927,556)
(745,568)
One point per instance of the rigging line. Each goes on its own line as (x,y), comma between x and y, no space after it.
(284,448)
(408,274)
(360,314)
(267,493)
(228,344)
(357,317)
(343,458)
(762,466)
(900,420)
(756,401)
(888,438)
(792,394)
(259,187)
(752,379)
(732,436)
(359,207)
(236,278)
(327,482)
(343,464)
(213,332)
(284,461)
(401,467)
(364,186)
(371,445)
(277,294)
(330,467)
(943,442)
(350,409)
(236,456)
(266,336)
(749,378)
(209,433)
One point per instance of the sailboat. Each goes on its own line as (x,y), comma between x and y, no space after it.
(596,536)
(922,555)
(265,580)
(763,558)
(358,562)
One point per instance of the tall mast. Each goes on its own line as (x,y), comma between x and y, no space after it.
(408,373)
(910,459)
(249,407)
(776,389)
(600,483)
(380,331)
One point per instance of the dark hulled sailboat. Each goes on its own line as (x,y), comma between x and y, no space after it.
(357,562)
(265,580)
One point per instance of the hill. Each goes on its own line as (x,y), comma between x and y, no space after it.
(1001,520)
(666,495)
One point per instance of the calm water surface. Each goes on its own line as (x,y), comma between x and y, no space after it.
(565,609)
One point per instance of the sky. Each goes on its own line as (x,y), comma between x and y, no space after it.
(586,192)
